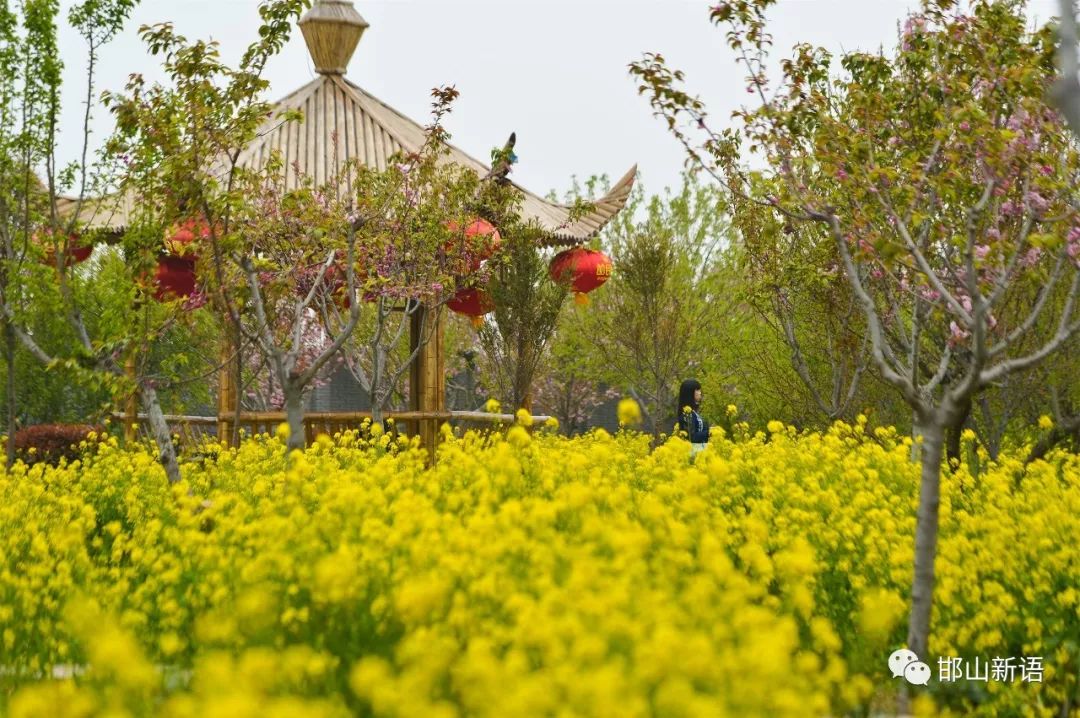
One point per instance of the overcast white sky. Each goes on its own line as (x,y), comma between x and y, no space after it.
(554,71)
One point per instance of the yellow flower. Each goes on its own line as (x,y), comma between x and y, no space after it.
(283,432)
(879,613)
(732,410)
(170,644)
(510,576)
(629,412)
(1045,422)
(523,417)
(492,406)
(518,437)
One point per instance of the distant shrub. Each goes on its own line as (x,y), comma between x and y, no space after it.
(48,443)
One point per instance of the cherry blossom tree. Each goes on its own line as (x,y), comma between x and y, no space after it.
(946,186)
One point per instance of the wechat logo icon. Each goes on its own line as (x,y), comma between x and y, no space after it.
(904,663)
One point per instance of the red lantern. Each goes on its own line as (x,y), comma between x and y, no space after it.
(175,277)
(185,233)
(481,240)
(473,302)
(75,254)
(583,269)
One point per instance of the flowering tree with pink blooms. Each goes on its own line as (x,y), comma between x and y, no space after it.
(290,269)
(945,184)
(315,261)
(289,250)
(415,255)
(179,142)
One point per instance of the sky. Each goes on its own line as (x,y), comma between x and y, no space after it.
(553,71)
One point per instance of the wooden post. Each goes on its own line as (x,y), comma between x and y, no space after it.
(427,382)
(226,394)
(131,405)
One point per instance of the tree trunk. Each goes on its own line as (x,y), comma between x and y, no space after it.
(9,357)
(955,430)
(916,432)
(294,415)
(159,428)
(379,360)
(926,532)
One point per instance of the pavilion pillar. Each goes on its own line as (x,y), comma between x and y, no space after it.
(427,379)
(226,393)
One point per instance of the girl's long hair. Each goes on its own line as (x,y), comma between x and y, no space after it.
(686,396)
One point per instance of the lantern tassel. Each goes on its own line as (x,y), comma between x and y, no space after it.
(477,322)
(581,299)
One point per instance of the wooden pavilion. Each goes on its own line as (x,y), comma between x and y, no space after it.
(342,122)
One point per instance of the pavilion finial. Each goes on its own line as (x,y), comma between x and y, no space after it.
(332,28)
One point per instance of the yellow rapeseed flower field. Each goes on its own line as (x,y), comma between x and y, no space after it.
(528,574)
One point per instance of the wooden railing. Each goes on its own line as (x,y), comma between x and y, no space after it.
(193,429)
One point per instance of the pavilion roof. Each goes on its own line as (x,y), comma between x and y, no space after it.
(343,122)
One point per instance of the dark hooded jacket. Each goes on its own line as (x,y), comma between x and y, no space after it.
(695,426)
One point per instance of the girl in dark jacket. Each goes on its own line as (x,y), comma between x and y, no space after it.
(696,428)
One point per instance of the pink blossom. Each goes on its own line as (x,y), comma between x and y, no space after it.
(1036,201)
(993,234)
(1032,257)
(914,24)
(956,334)
(841,175)
(965,126)
(930,295)
(1017,120)
(981,251)
(195,301)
